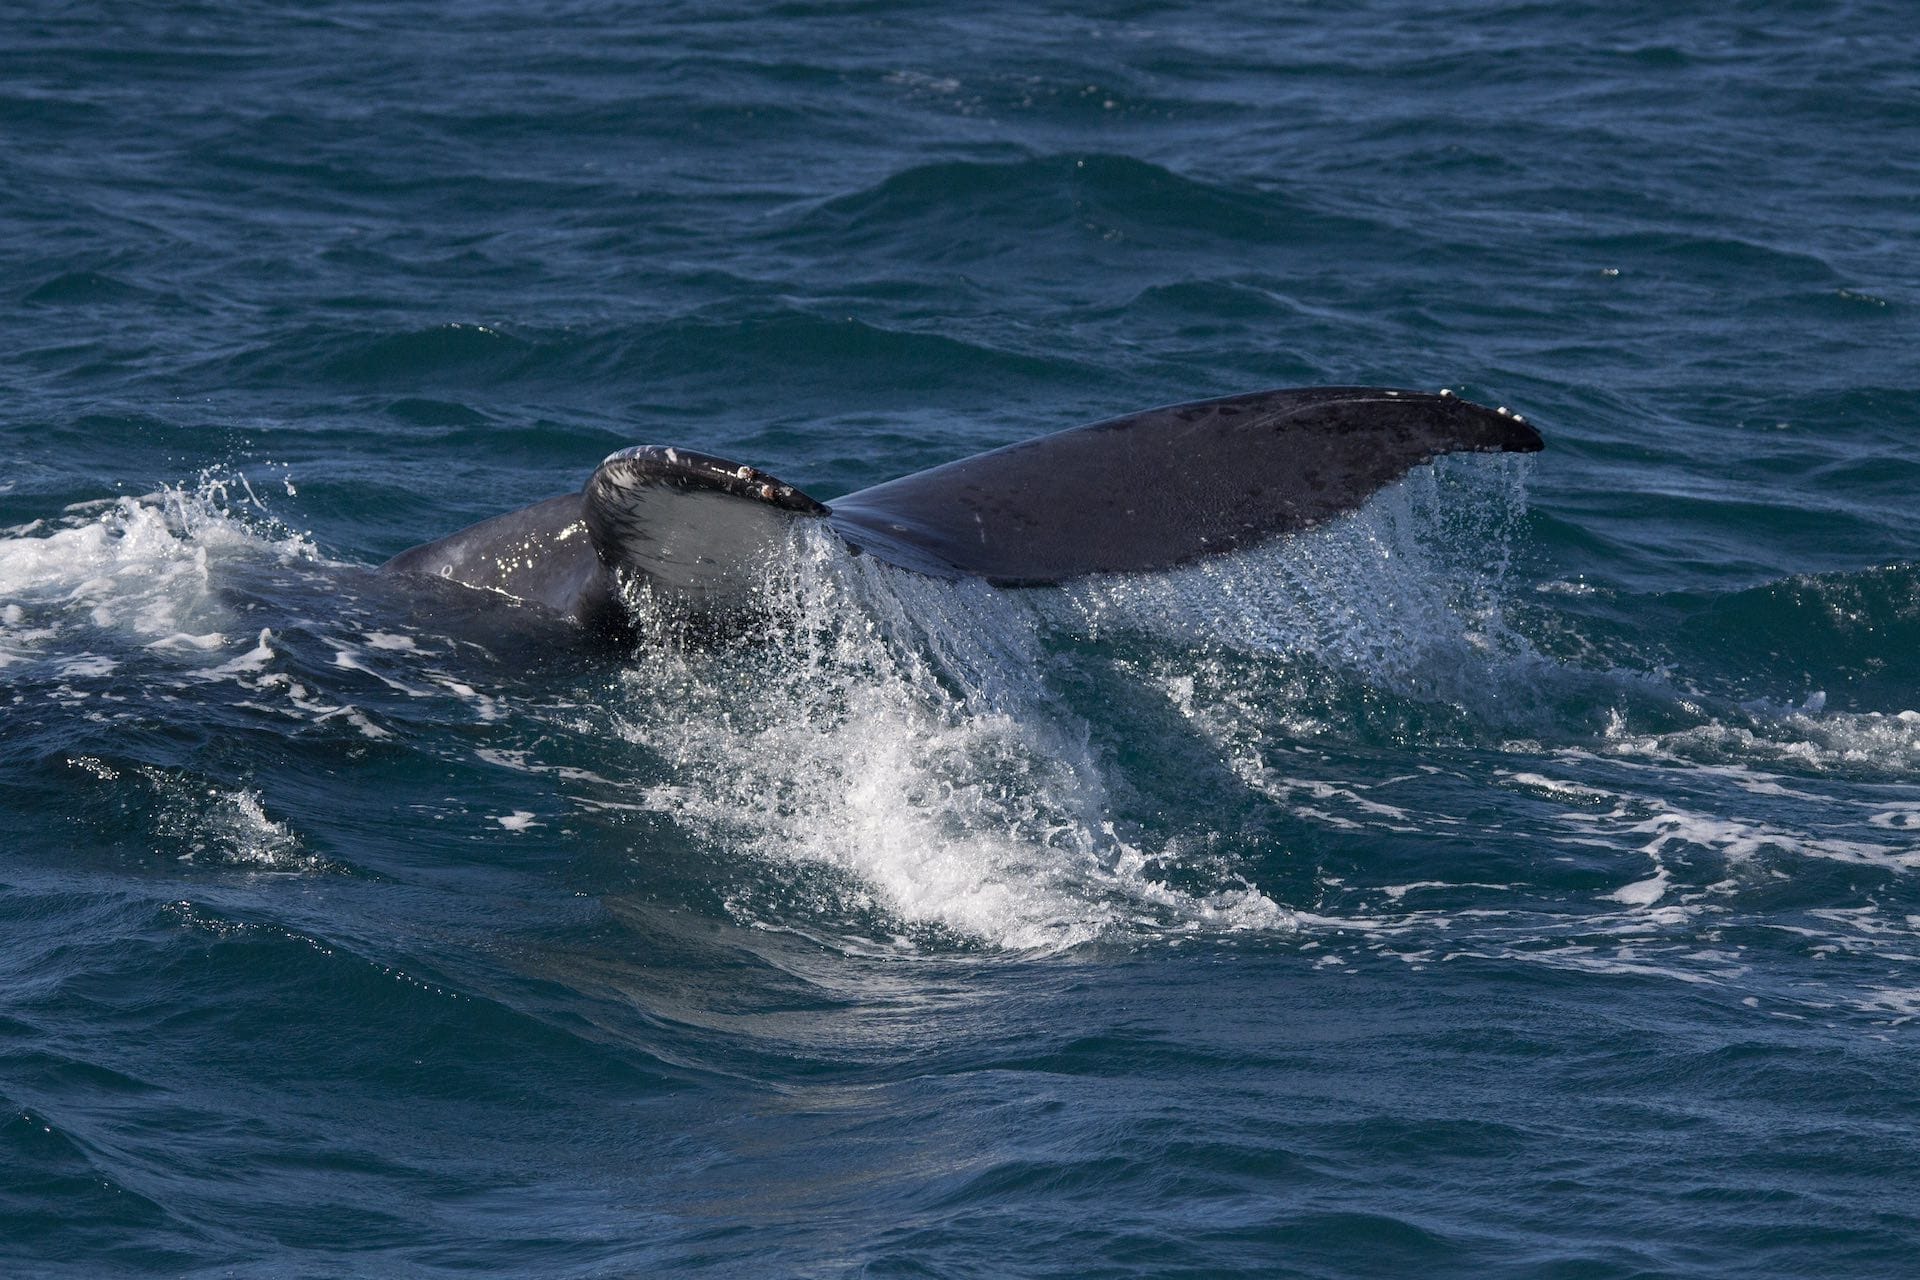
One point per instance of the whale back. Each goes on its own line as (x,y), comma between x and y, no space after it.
(1159,488)
(540,555)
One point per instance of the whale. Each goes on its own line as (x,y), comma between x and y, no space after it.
(1144,492)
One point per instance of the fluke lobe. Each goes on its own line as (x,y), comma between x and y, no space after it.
(1147,491)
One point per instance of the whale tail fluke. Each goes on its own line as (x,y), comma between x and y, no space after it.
(696,529)
(1159,488)
(1134,494)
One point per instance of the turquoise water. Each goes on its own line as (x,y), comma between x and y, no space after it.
(1516,878)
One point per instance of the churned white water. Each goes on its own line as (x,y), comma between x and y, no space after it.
(923,752)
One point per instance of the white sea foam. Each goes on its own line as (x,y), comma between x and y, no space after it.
(140,573)
(1644,893)
(226,826)
(1648,818)
(138,565)
(138,569)
(1827,742)
(1560,789)
(899,731)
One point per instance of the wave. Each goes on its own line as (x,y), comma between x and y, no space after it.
(953,212)
(798,349)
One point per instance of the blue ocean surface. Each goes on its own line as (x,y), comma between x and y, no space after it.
(1517,877)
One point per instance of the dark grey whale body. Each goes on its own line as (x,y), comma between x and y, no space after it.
(1133,494)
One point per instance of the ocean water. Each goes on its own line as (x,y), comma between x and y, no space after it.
(1518,877)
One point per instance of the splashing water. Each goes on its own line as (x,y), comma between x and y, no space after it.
(909,734)
(948,764)
(900,732)
(134,569)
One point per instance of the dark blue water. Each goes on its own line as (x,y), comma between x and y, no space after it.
(1517,878)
